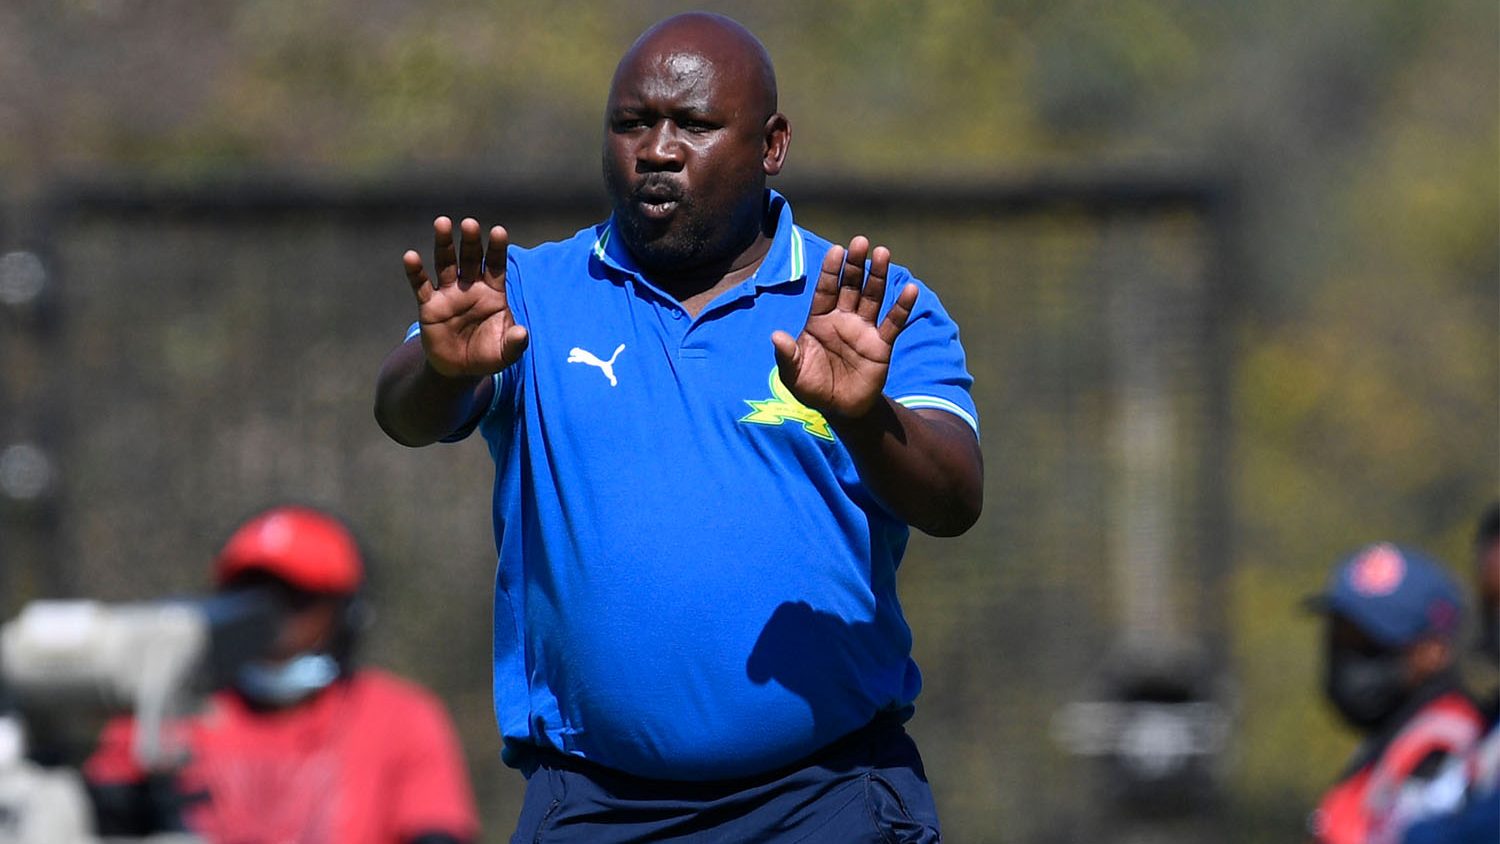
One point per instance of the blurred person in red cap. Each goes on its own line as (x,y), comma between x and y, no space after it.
(303,746)
(1393,617)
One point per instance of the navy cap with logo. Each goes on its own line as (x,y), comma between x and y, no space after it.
(1394,595)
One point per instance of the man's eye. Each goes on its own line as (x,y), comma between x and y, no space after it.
(697,126)
(629,124)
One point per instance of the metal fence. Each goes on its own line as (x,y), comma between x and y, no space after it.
(176,357)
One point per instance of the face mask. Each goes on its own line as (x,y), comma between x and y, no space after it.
(1365,689)
(286,683)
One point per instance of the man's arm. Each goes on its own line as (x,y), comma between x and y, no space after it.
(923,464)
(416,405)
(127,800)
(429,389)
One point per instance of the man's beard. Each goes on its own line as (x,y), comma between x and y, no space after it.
(674,245)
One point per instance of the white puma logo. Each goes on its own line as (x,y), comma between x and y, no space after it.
(578,355)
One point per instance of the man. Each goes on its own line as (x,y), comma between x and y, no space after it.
(1392,618)
(304,747)
(707,455)
(1463,804)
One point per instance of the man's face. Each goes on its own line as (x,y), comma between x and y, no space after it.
(308,622)
(1365,681)
(685,151)
(310,625)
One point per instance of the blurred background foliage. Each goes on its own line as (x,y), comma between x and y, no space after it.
(1364,136)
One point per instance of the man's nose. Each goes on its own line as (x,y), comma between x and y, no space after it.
(661,148)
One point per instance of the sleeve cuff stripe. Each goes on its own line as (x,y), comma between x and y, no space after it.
(936,403)
(495,397)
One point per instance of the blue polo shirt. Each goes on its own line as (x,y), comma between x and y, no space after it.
(693,582)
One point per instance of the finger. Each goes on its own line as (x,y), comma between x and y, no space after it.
(512,344)
(826,294)
(444,258)
(853,273)
(787,354)
(494,259)
(873,294)
(895,321)
(470,252)
(416,276)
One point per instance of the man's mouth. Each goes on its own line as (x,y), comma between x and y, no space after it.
(657,210)
(657,200)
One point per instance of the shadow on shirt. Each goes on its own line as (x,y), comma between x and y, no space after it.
(822,658)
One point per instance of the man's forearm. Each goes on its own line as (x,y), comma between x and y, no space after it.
(415,405)
(924,465)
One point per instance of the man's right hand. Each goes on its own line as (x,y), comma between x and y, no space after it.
(468,328)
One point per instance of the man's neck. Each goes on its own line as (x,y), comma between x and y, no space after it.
(694,288)
(1376,741)
(694,291)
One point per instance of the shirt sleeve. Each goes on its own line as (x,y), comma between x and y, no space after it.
(431,793)
(927,363)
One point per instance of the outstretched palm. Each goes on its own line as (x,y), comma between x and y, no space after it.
(468,328)
(838,364)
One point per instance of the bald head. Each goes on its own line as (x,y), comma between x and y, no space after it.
(695,43)
(691,134)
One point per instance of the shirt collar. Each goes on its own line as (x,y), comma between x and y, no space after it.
(784,262)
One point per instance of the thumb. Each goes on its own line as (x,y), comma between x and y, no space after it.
(788,355)
(513,343)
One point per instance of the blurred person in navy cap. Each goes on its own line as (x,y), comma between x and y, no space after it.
(306,746)
(1393,617)
(1462,806)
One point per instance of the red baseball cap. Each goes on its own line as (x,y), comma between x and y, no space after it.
(308,549)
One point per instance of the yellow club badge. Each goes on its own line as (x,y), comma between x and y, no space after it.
(782,407)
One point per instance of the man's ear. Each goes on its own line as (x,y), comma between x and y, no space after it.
(1426,659)
(778,136)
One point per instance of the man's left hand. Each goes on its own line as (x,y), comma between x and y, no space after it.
(838,364)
